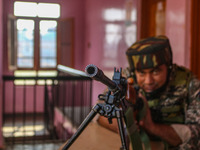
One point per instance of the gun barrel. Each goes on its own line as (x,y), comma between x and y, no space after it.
(97,74)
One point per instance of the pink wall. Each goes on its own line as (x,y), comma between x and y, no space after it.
(1,70)
(178,30)
(24,99)
(75,9)
(95,33)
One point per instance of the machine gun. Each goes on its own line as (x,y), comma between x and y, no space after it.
(115,102)
(120,86)
(116,87)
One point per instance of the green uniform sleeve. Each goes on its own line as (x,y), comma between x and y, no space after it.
(193,116)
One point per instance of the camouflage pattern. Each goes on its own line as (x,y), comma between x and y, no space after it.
(193,115)
(179,103)
(149,52)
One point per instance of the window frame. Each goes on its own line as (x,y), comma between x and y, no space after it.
(37,43)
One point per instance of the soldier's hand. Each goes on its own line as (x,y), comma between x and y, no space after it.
(146,122)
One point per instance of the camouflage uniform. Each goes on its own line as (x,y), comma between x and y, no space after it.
(177,103)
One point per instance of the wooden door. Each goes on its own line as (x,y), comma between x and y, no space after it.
(195,38)
(152,18)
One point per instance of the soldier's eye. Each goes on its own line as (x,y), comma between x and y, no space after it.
(141,73)
(156,71)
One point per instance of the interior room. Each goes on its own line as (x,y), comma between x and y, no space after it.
(45,46)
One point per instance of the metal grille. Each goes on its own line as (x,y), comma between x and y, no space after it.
(48,113)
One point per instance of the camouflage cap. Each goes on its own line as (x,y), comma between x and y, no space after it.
(149,53)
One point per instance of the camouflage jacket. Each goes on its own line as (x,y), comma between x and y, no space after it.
(179,103)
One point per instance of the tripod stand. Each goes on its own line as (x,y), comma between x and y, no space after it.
(110,109)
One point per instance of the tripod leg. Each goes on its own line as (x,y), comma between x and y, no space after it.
(83,125)
(121,130)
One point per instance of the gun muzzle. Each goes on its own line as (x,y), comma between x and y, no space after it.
(97,74)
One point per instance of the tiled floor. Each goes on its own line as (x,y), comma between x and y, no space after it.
(34,147)
(25,133)
(23,126)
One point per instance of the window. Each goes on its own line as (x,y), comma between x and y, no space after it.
(36,35)
(25,43)
(33,41)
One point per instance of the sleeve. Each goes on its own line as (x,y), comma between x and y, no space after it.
(192,120)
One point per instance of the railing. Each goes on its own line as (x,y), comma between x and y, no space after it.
(35,114)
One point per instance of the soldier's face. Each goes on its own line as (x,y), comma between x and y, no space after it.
(151,79)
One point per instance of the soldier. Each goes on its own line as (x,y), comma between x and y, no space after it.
(171,92)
